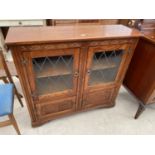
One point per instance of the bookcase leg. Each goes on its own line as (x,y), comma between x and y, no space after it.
(141,108)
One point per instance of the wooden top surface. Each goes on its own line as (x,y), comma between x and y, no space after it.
(150,38)
(31,35)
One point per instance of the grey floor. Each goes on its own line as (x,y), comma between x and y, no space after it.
(116,120)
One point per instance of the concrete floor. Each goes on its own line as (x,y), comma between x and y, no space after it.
(116,120)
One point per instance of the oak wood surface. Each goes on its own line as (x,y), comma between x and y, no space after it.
(140,77)
(47,107)
(45,93)
(32,35)
(41,111)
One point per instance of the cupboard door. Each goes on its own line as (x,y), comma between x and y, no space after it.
(102,98)
(56,108)
(52,73)
(104,65)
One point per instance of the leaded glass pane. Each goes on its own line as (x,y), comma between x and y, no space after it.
(105,66)
(53,74)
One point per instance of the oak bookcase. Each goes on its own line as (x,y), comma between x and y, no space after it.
(64,70)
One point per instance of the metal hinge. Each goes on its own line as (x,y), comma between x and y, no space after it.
(24,61)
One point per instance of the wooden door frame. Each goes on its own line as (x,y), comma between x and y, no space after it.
(54,52)
(90,54)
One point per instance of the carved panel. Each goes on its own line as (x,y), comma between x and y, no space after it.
(55,107)
(98,98)
(65,106)
(51,46)
(111,42)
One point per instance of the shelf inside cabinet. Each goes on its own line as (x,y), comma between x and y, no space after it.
(102,64)
(106,60)
(52,71)
(47,85)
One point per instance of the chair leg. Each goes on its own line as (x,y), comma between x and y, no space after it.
(141,108)
(14,123)
(20,95)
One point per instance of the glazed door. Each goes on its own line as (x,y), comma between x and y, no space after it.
(52,73)
(104,66)
(103,75)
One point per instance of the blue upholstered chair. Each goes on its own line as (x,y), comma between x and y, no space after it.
(7,70)
(6,105)
(7,97)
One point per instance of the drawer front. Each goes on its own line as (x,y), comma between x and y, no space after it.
(102,97)
(21,22)
(55,108)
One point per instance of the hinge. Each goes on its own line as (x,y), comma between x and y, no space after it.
(24,61)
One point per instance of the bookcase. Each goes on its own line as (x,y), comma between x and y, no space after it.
(65,70)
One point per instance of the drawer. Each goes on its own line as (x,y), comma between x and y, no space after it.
(102,97)
(55,107)
(21,22)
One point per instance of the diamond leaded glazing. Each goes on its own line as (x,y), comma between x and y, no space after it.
(105,66)
(53,74)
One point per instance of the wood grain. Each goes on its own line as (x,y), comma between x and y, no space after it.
(32,35)
(38,42)
(140,77)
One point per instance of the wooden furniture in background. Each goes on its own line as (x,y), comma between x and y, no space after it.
(65,22)
(29,22)
(5,24)
(140,77)
(8,70)
(65,70)
(147,26)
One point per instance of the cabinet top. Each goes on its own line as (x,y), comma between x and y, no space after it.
(33,35)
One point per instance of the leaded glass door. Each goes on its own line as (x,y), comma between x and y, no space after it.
(53,73)
(104,65)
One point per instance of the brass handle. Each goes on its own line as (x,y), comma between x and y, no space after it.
(76,74)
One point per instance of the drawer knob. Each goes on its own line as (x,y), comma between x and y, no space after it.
(20,23)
